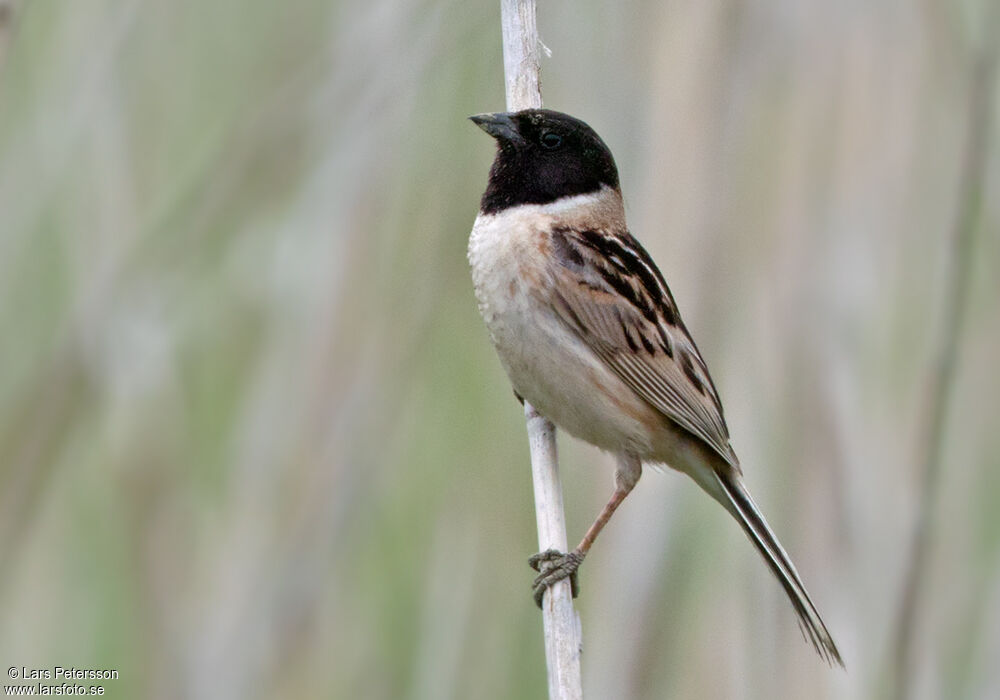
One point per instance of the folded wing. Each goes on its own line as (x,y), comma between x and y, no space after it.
(609,291)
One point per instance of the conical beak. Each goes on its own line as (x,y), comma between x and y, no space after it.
(499,125)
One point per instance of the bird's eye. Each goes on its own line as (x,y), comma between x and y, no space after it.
(550,140)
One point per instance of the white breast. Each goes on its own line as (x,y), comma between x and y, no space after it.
(547,363)
(504,254)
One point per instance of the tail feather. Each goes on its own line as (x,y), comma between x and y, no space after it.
(742,506)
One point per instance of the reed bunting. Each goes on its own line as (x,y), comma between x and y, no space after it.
(590,335)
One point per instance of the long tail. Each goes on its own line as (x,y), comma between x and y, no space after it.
(742,506)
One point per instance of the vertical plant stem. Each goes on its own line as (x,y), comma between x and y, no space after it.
(942,373)
(559,620)
(520,54)
(560,623)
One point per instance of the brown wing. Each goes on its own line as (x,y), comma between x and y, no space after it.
(608,289)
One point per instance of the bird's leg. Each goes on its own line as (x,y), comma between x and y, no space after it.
(553,565)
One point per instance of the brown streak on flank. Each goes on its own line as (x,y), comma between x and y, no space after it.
(531,256)
(543,243)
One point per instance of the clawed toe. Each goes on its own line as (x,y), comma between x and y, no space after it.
(553,566)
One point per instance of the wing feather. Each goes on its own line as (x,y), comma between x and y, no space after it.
(609,291)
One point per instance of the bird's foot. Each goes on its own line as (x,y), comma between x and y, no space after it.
(553,566)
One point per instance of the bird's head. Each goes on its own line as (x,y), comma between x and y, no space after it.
(543,156)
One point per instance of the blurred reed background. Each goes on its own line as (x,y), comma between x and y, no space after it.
(254,441)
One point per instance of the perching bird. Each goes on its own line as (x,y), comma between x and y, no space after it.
(589,333)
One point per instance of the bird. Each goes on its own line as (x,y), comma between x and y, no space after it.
(589,334)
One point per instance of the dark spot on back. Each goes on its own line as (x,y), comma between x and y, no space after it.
(565,251)
(652,280)
(628,336)
(630,254)
(687,364)
(665,343)
(625,290)
(650,348)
